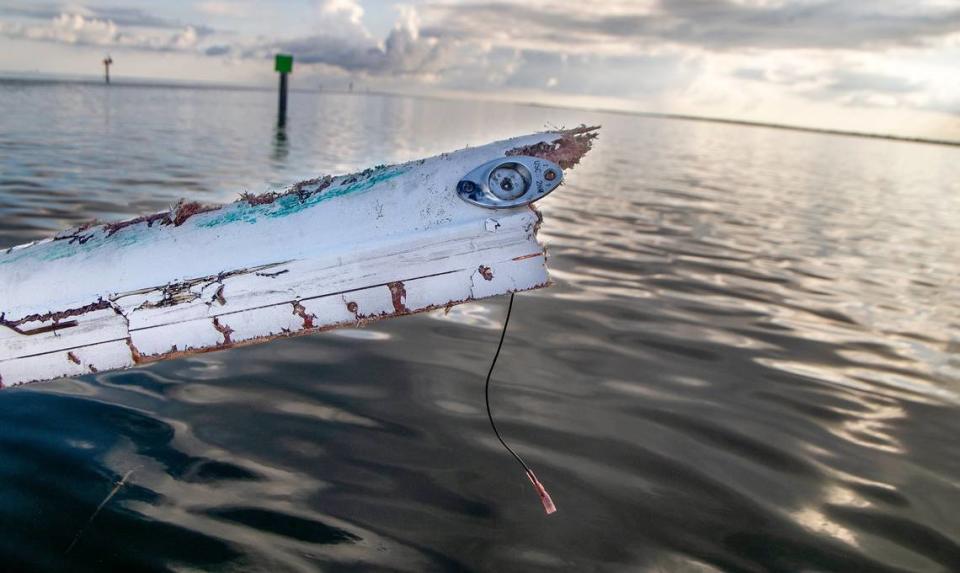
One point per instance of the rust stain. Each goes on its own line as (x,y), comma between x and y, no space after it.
(223,329)
(76,235)
(536,226)
(285,333)
(530,256)
(262,199)
(273,275)
(180,292)
(173,295)
(566,151)
(398,293)
(176,216)
(321,183)
(300,311)
(56,317)
(173,353)
(48,328)
(113,228)
(318,184)
(218,296)
(184,210)
(135,352)
(139,359)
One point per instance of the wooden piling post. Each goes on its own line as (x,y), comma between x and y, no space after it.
(106,68)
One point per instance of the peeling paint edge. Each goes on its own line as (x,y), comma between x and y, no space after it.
(361,320)
(566,151)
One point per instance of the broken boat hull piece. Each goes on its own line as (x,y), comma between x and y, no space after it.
(329,252)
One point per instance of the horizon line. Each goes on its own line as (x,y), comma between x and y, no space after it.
(41,77)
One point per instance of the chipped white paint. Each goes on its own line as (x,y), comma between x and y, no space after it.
(330,252)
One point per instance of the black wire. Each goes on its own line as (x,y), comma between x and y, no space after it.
(486,389)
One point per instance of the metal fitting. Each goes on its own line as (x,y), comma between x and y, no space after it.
(510,182)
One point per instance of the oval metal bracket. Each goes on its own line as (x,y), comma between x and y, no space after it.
(510,182)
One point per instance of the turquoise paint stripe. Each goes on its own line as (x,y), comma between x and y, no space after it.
(290,204)
(239,212)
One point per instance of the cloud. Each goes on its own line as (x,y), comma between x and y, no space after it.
(695,56)
(631,76)
(425,39)
(78,29)
(120,16)
(219,8)
(218,50)
(73,29)
(343,43)
(819,24)
(850,84)
(708,24)
(847,81)
(348,9)
(871,89)
(346,44)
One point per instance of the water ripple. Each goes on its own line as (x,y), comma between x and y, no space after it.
(748,361)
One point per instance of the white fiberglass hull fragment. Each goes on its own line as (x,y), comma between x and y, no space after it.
(329,252)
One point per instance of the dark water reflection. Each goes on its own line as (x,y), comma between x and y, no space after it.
(749,361)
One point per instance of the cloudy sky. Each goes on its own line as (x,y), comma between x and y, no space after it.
(883,66)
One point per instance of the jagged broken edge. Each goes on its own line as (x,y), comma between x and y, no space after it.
(567,150)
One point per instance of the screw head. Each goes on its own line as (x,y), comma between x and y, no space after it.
(467,187)
(507,182)
(549,174)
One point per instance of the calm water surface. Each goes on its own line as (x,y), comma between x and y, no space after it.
(749,361)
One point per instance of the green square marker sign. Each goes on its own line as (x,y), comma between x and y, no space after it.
(284,63)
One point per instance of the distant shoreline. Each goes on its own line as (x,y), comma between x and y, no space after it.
(790,127)
(143,82)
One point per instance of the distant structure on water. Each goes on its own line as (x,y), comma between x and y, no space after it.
(106,68)
(283,63)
